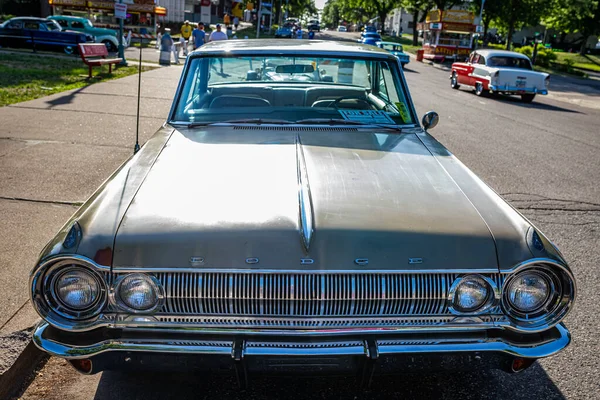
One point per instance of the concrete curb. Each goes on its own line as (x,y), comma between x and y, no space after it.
(13,378)
(18,355)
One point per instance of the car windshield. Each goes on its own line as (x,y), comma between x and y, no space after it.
(52,25)
(292,89)
(510,62)
(391,47)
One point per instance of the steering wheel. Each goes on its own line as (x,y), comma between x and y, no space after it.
(337,102)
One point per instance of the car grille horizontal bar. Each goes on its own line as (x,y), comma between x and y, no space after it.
(307,294)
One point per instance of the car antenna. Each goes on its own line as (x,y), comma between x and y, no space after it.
(136,148)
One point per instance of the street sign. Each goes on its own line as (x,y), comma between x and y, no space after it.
(479,29)
(435,26)
(266,4)
(120,10)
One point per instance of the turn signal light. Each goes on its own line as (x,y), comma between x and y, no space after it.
(82,365)
(519,364)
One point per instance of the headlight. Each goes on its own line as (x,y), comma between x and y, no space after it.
(528,291)
(77,289)
(538,294)
(471,294)
(139,293)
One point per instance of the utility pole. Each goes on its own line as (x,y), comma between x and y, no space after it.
(258,18)
(480,22)
(121,47)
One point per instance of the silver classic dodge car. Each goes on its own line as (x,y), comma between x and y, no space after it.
(293,216)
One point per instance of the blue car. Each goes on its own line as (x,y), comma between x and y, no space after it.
(284,32)
(40,33)
(397,50)
(370,38)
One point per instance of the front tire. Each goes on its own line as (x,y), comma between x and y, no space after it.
(454,81)
(527,97)
(479,90)
(110,46)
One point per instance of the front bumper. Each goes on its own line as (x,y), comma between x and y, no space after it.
(516,90)
(122,349)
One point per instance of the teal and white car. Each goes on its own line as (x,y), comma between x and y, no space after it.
(396,49)
(102,35)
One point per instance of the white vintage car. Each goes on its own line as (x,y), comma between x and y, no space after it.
(497,71)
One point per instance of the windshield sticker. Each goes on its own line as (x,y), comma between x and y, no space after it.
(367,116)
(403,111)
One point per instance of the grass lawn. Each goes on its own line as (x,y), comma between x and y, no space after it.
(591,62)
(26,76)
(405,41)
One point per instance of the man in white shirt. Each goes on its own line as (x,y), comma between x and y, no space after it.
(217,35)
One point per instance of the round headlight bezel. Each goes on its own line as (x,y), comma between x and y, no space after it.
(552,301)
(558,304)
(115,293)
(492,298)
(57,305)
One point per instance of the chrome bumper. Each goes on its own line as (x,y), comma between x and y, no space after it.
(539,345)
(517,90)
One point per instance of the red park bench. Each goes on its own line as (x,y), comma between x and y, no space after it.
(94,55)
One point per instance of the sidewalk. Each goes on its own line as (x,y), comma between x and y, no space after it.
(54,152)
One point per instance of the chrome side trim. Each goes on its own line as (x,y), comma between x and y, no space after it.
(540,349)
(306,216)
(516,90)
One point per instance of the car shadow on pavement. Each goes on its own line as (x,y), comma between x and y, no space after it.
(410,70)
(533,383)
(536,105)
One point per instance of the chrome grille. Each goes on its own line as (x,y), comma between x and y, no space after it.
(307,294)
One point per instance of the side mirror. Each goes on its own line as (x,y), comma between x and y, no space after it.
(430,120)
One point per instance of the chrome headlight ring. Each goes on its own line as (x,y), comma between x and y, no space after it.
(115,296)
(560,298)
(492,299)
(46,292)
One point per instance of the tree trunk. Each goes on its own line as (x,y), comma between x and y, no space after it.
(582,49)
(415,33)
(511,28)
(382,17)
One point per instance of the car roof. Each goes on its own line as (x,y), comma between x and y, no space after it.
(29,19)
(501,53)
(66,17)
(390,43)
(286,46)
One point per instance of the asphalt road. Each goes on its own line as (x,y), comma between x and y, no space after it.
(543,158)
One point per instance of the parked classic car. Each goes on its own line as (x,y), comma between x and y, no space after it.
(41,34)
(284,31)
(342,28)
(314,25)
(280,226)
(497,71)
(396,49)
(370,38)
(79,24)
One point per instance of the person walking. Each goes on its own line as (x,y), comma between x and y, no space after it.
(226,20)
(311,34)
(199,35)
(215,36)
(236,23)
(166,47)
(186,32)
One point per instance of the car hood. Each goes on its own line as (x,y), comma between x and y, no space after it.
(252,197)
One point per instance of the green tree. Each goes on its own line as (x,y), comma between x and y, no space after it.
(379,8)
(514,14)
(576,16)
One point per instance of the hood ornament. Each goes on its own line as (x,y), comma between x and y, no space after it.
(306,217)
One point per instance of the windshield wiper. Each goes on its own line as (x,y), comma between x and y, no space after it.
(338,121)
(257,121)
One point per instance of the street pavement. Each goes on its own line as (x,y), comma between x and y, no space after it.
(542,157)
